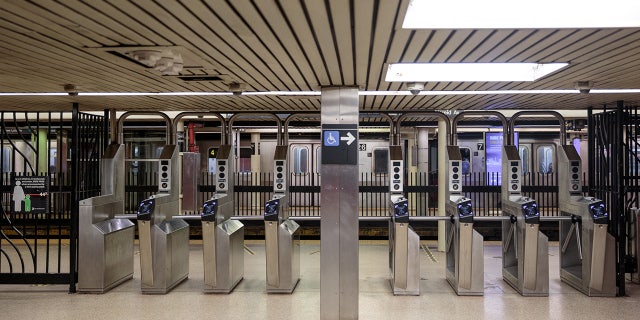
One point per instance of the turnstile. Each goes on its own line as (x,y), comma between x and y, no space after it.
(282,235)
(404,243)
(222,238)
(405,250)
(525,250)
(105,244)
(587,250)
(164,243)
(464,245)
(282,242)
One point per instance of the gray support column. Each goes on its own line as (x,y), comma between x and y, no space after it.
(442,180)
(339,197)
(256,169)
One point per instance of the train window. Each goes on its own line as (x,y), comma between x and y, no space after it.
(318,157)
(523,151)
(244,160)
(300,160)
(6,159)
(380,161)
(53,155)
(545,159)
(466,160)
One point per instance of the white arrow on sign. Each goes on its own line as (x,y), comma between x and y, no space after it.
(349,138)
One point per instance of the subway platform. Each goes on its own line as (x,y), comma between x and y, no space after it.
(250,301)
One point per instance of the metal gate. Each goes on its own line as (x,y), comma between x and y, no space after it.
(613,175)
(50,161)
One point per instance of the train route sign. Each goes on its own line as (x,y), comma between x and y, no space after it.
(340,144)
(30,194)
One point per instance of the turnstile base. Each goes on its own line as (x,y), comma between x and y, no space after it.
(513,281)
(577,284)
(451,278)
(402,292)
(284,290)
(106,288)
(226,290)
(156,290)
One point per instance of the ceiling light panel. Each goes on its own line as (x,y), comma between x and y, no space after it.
(464,72)
(510,14)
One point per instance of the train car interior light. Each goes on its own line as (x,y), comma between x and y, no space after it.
(509,14)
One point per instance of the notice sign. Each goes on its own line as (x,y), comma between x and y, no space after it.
(30,194)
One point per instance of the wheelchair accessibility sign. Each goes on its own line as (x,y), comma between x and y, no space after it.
(339,144)
(332,138)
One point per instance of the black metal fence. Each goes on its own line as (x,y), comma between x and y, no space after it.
(252,190)
(614,143)
(38,232)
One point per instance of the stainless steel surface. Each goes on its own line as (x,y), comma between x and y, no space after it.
(164,243)
(530,261)
(179,116)
(339,224)
(406,261)
(400,256)
(465,247)
(287,259)
(190,177)
(525,261)
(598,253)
(168,136)
(588,263)
(515,116)
(271,240)
(224,269)
(209,253)
(456,119)
(268,115)
(105,244)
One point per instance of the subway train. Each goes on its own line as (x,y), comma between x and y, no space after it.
(480,149)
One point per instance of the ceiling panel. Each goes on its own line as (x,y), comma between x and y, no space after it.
(285,45)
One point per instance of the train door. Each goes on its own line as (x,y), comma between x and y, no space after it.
(524,150)
(304,167)
(544,158)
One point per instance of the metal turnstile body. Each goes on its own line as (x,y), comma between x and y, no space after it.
(404,243)
(525,250)
(164,243)
(222,238)
(282,235)
(635,227)
(464,245)
(105,244)
(587,250)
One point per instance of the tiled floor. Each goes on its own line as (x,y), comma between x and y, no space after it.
(249,300)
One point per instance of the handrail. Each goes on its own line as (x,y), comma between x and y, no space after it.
(424,113)
(124,116)
(285,136)
(238,115)
(223,123)
(563,129)
(503,119)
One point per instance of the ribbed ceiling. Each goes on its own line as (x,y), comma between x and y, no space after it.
(285,45)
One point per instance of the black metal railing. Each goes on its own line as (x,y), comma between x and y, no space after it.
(252,190)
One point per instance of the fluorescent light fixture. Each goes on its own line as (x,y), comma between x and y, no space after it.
(461,72)
(510,14)
(313,93)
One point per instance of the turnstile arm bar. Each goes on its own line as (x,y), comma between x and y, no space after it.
(413,218)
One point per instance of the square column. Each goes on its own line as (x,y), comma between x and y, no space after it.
(339,204)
